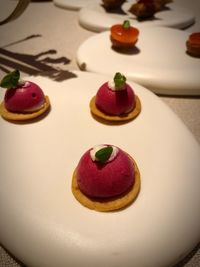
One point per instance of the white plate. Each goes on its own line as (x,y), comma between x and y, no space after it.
(73,4)
(94,17)
(159,62)
(43,225)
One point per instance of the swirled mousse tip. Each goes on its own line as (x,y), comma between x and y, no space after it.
(106,178)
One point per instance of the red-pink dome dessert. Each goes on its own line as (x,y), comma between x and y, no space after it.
(105,171)
(27,97)
(117,97)
(22,96)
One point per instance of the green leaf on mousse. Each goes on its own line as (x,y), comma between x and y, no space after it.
(119,80)
(10,80)
(126,24)
(104,154)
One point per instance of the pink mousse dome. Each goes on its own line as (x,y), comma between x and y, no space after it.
(116,102)
(27,97)
(108,179)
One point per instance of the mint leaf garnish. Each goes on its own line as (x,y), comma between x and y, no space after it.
(104,154)
(126,24)
(10,80)
(119,80)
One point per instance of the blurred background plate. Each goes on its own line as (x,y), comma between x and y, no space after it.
(159,61)
(94,17)
(73,4)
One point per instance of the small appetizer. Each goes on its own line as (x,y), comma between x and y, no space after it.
(145,9)
(112,4)
(106,179)
(123,35)
(193,44)
(115,101)
(23,100)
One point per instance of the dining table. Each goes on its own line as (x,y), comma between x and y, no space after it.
(44,40)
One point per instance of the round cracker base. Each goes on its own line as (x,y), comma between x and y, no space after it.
(108,204)
(12,116)
(115,118)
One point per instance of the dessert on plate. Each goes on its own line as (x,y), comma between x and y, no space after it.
(112,4)
(115,101)
(106,178)
(193,44)
(145,9)
(23,100)
(123,35)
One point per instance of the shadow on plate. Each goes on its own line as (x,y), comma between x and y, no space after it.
(127,51)
(110,123)
(188,258)
(38,64)
(134,18)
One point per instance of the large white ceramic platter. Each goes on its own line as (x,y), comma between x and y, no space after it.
(43,225)
(73,4)
(94,17)
(159,61)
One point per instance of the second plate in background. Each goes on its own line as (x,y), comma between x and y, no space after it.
(159,61)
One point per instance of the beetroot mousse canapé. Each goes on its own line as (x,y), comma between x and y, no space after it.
(115,101)
(105,171)
(106,178)
(23,97)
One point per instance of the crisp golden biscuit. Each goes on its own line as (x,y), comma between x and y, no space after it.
(115,118)
(108,204)
(23,116)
